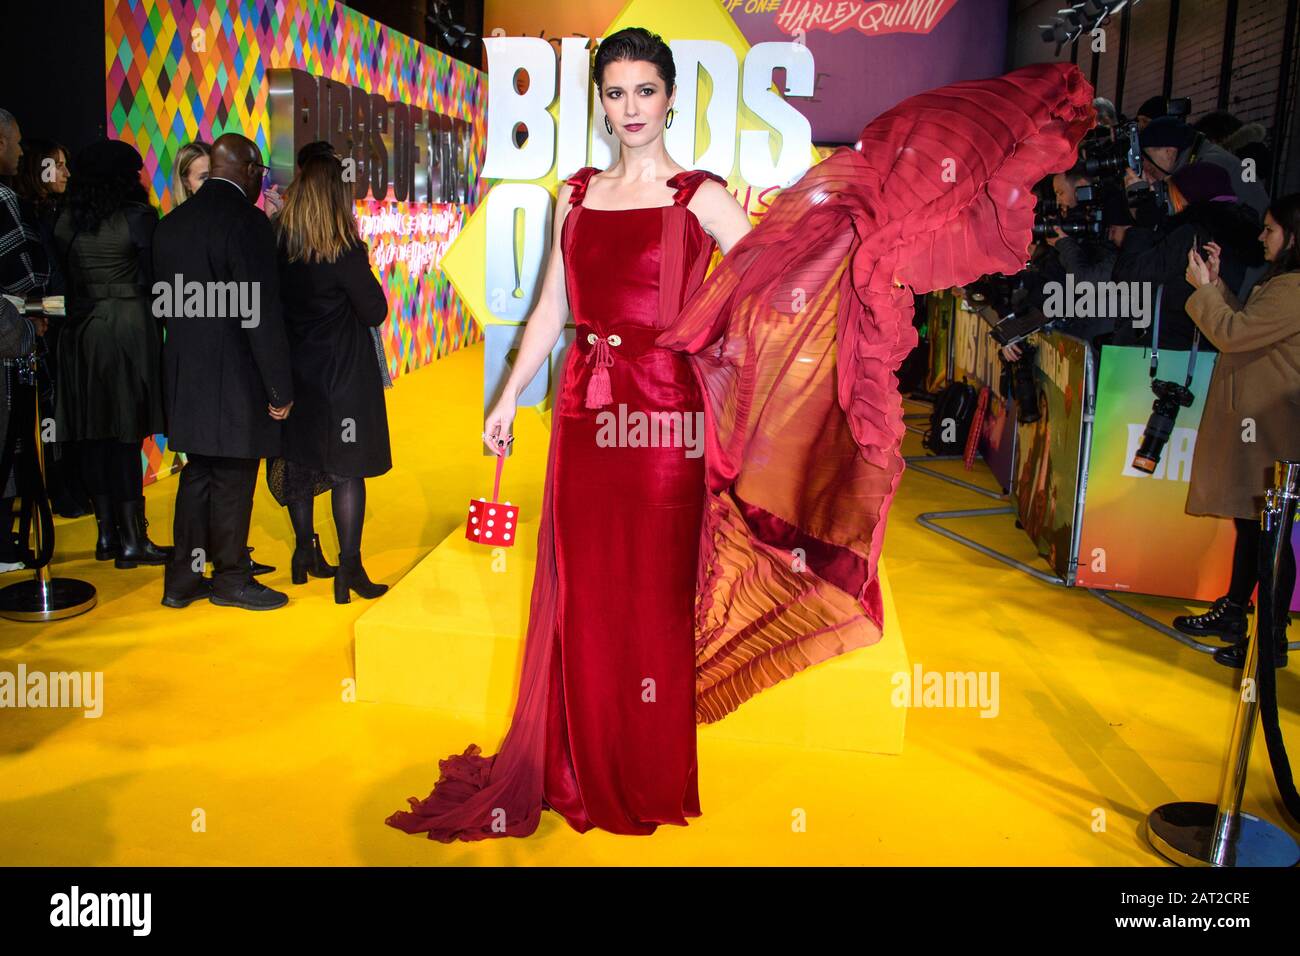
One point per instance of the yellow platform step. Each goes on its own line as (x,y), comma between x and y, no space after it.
(450,636)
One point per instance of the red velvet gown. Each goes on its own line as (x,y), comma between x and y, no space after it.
(670,588)
(620,740)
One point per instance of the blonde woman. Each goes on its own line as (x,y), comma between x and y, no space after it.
(338,434)
(190,171)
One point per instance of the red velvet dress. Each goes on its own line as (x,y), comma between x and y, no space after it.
(670,589)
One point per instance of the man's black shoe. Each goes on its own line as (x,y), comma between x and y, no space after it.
(253,596)
(255,567)
(1226,620)
(197,590)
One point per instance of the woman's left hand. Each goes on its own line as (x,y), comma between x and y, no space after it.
(272,201)
(1198,270)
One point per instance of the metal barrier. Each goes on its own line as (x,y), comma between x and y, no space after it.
(1220,834)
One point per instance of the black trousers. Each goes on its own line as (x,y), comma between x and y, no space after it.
(214,505)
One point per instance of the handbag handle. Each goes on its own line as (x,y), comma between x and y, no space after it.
(496,484)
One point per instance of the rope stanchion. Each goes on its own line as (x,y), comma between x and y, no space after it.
(1221,834)
(43,598)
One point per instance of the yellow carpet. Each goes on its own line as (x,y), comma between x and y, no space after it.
(228,737)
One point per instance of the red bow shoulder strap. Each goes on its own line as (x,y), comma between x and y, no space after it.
(688,181)
(579,183)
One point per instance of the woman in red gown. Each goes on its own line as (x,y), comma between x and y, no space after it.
(672,587)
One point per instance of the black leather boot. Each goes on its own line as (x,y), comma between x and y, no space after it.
(352,576)
(136,548)
(310,560)
(1234,656)
(108,544)
(1226,620)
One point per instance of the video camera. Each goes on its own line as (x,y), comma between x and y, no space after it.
(1108,151)
(1085,220)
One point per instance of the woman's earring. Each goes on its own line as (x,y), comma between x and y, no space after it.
(607,126)
(670,118)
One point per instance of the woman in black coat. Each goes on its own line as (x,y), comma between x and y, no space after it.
(337,435)
(109,394)
(42,184)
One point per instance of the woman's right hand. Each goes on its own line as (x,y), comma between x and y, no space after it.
(497,427)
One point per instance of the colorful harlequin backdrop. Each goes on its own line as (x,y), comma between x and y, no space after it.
(180,70)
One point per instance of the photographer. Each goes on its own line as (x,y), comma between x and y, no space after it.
(1205,211)
(1073,249)
(1088,256)
(1250,418)
(1169,145)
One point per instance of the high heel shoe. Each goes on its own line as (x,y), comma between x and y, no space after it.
(352,576)
(310,561)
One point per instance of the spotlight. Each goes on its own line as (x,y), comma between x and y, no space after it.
(455,36)
(1072,21)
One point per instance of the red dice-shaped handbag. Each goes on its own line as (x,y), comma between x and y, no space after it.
(494,523)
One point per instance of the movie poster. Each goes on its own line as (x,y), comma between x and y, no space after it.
(1136,534)
(1047,463)
(977,359)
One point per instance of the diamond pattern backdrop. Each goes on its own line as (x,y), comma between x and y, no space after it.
(180,70)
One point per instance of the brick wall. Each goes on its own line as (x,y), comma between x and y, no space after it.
(1198,53)
(1254,81)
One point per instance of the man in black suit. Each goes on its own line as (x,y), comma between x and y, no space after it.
(226,371)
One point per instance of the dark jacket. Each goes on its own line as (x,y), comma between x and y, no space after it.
(1160,256)
(17,338)
(1249,190)
(221,371)
(109,347)
(1251,142)
(339,422)
(43,217)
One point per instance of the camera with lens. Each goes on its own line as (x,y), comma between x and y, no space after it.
(997,292)
(1085,220)
(1170,396)
(1149,203)
(1107,152)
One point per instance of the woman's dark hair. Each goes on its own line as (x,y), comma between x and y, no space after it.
(1285,211)
(635,43)
(108,178)
(28,183)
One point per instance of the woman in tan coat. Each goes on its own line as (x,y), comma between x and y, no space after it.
(1252,415)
